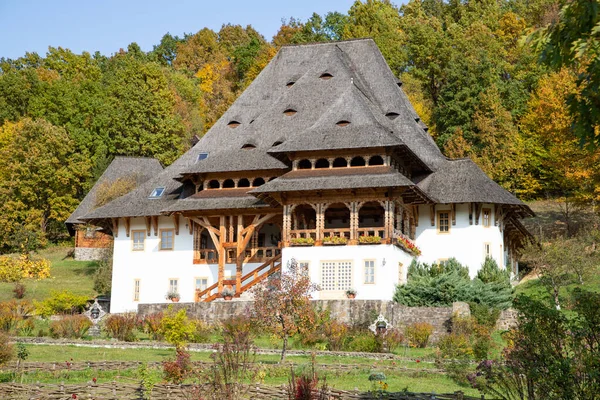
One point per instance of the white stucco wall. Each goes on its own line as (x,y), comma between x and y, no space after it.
(154,267)
(464,242)
(391,265)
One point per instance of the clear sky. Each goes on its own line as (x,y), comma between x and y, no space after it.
(108,25)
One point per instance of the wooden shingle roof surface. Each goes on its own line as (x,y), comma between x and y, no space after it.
(297,101)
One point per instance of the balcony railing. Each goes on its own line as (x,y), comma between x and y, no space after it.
(256,254)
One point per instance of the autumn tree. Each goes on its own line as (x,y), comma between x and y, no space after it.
(39,176)
(282,304)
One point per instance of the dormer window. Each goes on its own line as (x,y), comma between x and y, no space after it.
(157,192)
(202,156)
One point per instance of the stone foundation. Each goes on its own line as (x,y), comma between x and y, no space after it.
(91,253)
(353,312)
(507,319)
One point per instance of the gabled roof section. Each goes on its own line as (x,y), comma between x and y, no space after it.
(462,181)
(350,123)
(139,168)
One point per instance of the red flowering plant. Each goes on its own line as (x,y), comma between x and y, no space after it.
(282,304)
(408,245)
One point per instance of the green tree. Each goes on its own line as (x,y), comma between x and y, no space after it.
(39,176)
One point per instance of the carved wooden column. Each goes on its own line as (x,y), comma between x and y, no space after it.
(353,221)
(285,232)
(239,261)
(320,224)
(222,256)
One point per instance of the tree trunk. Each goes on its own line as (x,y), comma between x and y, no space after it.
(284,349)
(555,295)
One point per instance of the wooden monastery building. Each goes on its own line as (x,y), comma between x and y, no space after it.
(322,160)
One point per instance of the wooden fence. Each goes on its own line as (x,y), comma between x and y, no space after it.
(135,391)
(29,367)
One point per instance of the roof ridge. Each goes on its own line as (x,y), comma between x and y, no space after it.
(330,43)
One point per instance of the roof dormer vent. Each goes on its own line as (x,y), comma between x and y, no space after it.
(248,146)
(290,84)
(343,123)
(325,76)
(289,112)
(392,115)
(233,124)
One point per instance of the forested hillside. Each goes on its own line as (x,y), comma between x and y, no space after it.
(479,73)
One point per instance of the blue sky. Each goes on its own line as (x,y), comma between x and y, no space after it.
(108,25)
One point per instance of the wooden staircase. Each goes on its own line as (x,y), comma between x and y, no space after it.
(252,278)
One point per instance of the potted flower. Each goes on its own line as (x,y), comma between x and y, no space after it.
(351,293)
(173,296)
(335,240)
(302,241)
(369,239)
(408,245)
(227,294)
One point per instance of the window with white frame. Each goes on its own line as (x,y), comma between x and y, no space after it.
(369,271)
(136,290)
(173,285)
(138,238)
(336,275)
(303,266)
(201,284)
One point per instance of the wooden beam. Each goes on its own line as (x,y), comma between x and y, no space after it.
(205,223)
(477,212)
(240,249)
(222,254)
(190,225)
(470,213)
(453,211)
(127,225)
(115,224)
(148,225)
(176,223)
(416,215)
(432,214)
(155,225)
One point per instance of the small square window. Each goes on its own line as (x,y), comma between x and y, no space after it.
(167,237)
(202,156)
(138,238)
(157,192)
(369,272)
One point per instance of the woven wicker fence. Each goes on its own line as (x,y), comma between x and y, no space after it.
(28,367)
(127,391)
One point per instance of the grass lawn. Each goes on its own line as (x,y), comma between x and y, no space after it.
(66,274)
(273,373)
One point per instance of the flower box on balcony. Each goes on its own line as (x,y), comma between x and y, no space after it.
(408,245)
(369,240)
(335,240)
(302,242)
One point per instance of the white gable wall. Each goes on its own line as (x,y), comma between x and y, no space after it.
(465,242)
(154,267)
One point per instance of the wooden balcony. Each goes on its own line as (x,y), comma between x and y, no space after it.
(252,255)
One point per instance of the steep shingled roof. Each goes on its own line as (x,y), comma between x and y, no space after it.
(462,181)
(296,102)
(142,169)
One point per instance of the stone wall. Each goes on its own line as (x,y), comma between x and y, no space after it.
(507,319)
(91,253)
(353,312)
